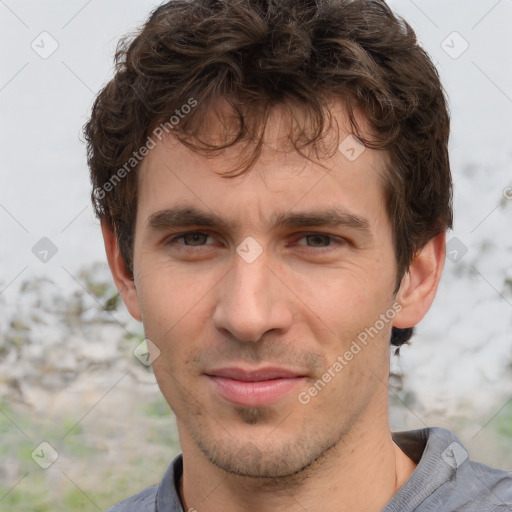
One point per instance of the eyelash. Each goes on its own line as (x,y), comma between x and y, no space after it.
(332,238)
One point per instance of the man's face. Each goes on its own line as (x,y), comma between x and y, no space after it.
(250,312)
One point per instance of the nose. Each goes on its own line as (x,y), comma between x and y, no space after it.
(252,301)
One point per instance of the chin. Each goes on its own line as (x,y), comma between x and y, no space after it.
(262,459)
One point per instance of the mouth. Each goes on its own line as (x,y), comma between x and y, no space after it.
(254,388)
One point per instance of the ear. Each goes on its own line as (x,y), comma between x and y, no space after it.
(122,276)
(419,285)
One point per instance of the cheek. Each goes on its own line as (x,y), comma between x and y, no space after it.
(176,308)
(168,294)
(346,300)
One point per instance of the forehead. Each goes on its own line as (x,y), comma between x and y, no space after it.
(342,174)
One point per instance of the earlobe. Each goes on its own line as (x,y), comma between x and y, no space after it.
(419,285)
(123,279)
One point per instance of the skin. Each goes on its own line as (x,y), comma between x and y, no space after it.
(299,305)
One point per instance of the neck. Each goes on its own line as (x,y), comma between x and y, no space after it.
(360,473)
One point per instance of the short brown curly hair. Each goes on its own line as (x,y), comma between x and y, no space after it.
(256,54)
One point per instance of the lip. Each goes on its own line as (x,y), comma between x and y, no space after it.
(255,388)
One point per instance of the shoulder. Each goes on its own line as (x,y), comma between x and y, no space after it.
(490,483)
(446,479)
(480,481)
(163,496)
(144,501)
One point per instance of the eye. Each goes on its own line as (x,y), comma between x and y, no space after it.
(320,240)
(316,241)
(190,239)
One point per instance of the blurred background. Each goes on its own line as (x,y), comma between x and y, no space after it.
(82,423)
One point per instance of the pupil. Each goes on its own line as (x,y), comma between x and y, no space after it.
(195,237)
(317,239)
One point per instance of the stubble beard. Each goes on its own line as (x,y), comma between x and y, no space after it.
(290,463)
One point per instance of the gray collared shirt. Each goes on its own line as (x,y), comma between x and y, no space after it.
(445,480)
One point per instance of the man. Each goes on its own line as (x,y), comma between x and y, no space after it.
(273,184)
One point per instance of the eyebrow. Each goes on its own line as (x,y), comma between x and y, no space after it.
(186,216)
